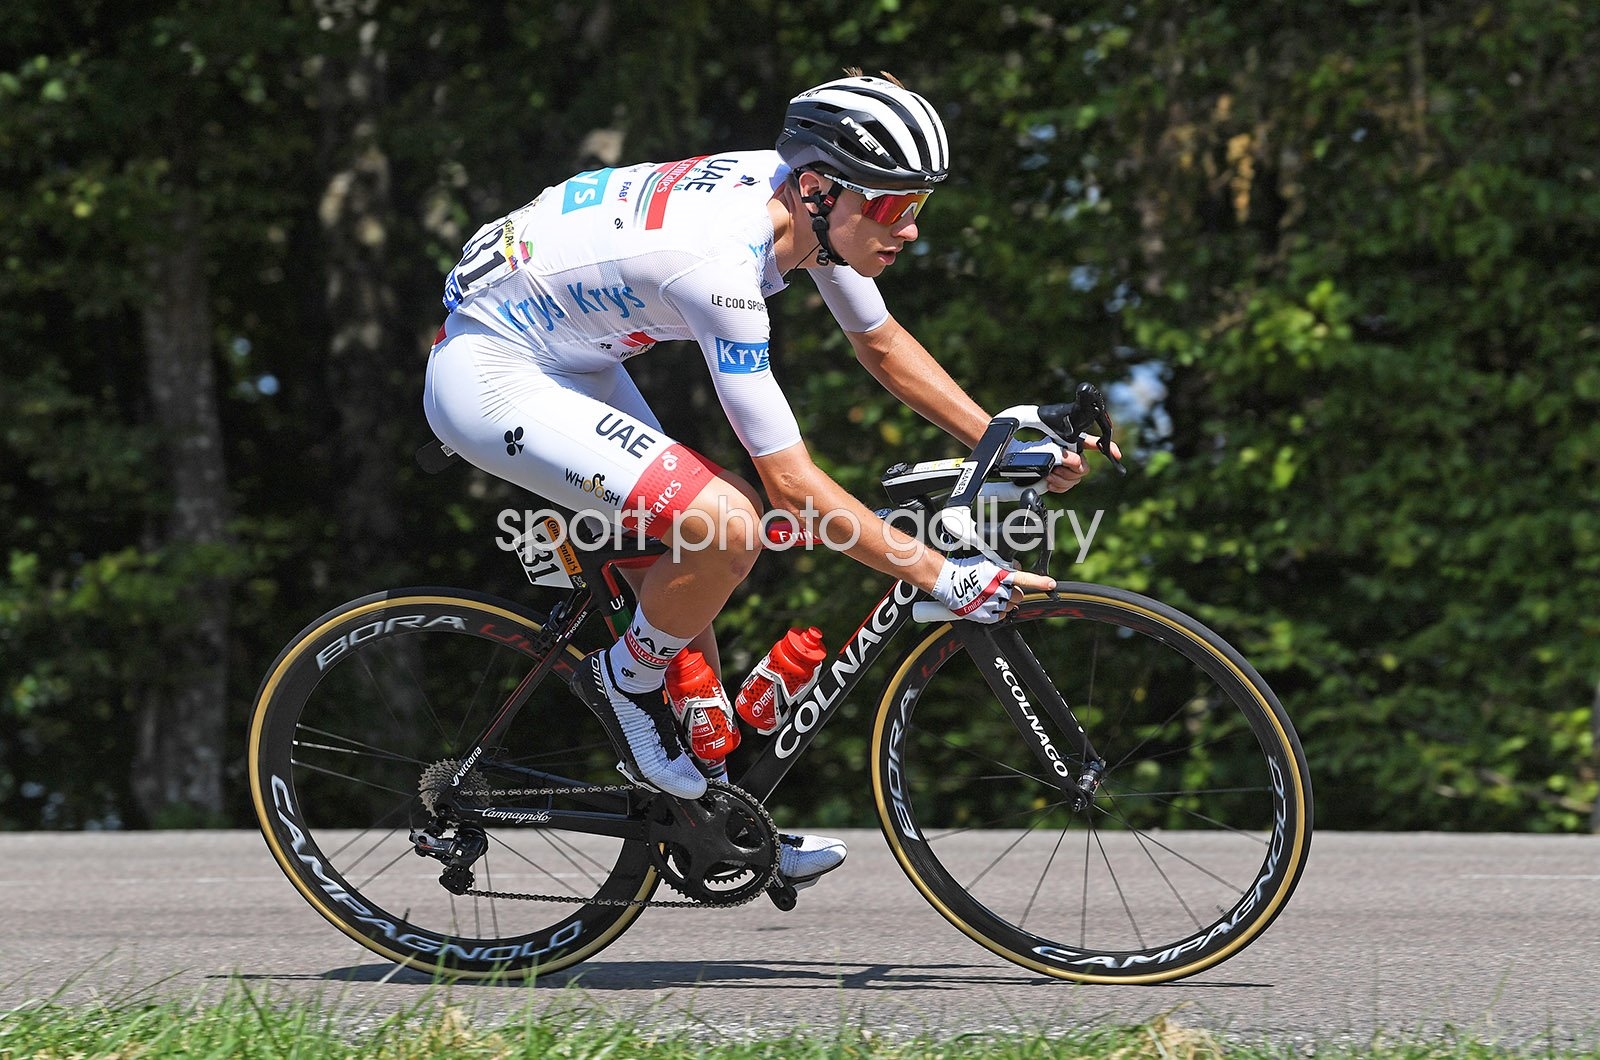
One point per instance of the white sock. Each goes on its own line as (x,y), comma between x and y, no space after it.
(639,659)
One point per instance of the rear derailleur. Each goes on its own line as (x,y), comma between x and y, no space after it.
(462,850)
(458,853)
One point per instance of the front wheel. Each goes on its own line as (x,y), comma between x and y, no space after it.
(1195,837)
(379,695)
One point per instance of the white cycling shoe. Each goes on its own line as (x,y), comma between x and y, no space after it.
(803,859)
(641,728)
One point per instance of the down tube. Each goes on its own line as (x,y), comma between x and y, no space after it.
(836,681)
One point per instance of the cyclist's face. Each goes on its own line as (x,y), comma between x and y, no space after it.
(869,246)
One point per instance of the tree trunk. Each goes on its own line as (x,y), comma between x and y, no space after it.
(368,361)
(1594,729)
(177,767)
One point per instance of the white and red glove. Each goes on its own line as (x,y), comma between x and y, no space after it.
(974,588)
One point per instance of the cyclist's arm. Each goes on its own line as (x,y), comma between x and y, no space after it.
(796,485)
(896,359)
(720,300)
(909,372)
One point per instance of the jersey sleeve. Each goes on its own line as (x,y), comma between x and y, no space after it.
(721,302)
(853,299)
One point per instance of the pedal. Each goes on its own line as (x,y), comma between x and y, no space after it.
(782,893)
(627,774)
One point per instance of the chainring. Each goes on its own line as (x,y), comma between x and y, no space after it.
(721,849)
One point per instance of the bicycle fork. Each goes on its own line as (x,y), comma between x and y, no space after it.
(1024,689)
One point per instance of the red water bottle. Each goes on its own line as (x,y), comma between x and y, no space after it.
(702,710)
(780,680)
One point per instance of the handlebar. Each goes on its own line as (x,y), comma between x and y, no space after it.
(1066,423)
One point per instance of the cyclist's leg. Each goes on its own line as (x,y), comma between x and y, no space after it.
(588,441)
(627,398)
(558,435)
(719,508)
(802,859)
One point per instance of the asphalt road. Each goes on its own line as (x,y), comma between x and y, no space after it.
(1497,937)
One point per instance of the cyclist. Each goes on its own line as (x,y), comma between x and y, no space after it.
(526,379)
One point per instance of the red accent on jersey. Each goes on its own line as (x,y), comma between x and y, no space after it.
(668,485)
(671,173)
(637,339)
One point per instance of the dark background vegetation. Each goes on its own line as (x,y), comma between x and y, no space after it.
(1344,256)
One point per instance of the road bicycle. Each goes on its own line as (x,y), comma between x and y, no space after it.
(1097,788)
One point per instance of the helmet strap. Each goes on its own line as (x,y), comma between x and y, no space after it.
(824,202)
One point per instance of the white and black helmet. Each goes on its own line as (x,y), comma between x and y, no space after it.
(867,130)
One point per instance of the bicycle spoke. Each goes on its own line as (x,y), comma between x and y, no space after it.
(404,853)
(535,865)
(472,705)
(1117,883)
(1083,913)
(1034,897)
(362,656)
(1197,815)
(357,751)
(487,865)
(351,734)
(1143,835)
(570,850)
(1000,856)
(390,834)
(1175,833)
(1144,848)
(353,779)
(1010,770)
(994,821)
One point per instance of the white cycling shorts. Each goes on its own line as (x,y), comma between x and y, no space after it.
(586,441)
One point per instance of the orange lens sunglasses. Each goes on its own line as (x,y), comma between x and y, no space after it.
(888,207)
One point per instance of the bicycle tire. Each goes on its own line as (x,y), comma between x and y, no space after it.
(1194,841)
(345,721)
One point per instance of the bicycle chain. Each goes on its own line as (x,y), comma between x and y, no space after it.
(569,899)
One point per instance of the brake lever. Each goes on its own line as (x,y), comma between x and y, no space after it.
(1102,422)
(1033,503)
(1091,403)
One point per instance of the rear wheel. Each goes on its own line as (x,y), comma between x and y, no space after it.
(1193,842)
(360,707)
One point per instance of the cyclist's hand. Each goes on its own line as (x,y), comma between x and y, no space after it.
(981,591)
(1068,469)
(1075,466)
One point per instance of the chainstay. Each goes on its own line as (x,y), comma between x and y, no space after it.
(570,899)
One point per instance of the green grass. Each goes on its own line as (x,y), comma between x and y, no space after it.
(249,1023)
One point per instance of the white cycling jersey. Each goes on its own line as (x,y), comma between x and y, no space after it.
(609,263)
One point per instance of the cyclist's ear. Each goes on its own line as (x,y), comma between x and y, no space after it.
(817,197)
(808,198)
